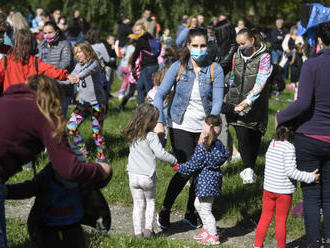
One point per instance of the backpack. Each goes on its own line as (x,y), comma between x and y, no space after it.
(155,46)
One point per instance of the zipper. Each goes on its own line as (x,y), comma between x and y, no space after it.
(242,87)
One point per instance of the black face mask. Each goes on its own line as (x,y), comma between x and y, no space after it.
(246,50)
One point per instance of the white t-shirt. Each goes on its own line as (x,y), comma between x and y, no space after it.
(194,116)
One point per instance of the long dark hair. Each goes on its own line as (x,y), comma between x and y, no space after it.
(253,33)
(57,29)
(226,35)
(25,45)
(93,35)
(143,121)
(185,53)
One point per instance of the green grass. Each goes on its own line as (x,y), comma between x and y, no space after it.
(240,204)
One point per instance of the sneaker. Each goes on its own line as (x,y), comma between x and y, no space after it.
(211,240)
(148,233)
(119,108)
(192,220)
(202,235)
(163,219)
(139,235)
(248,176)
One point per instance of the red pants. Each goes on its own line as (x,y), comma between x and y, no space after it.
(282,203)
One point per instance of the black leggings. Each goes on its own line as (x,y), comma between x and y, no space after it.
(183,144)
(248,145)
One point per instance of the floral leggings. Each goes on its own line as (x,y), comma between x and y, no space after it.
(143,189)
(80,113)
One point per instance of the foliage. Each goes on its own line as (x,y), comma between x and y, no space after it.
(105,13)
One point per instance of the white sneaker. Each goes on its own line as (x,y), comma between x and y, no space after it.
(248,176)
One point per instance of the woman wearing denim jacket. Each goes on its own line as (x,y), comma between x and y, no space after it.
(195,97)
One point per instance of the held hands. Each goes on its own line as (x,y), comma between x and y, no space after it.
(316,176)
(74,79)
(176,167)
(240,107)
(106,168)
(159,129)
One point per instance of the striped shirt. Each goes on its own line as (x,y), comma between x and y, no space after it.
(280,168)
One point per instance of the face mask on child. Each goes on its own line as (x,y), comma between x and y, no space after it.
(50,37)
(198,54)
(246,50)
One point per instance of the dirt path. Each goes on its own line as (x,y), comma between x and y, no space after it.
(230,235)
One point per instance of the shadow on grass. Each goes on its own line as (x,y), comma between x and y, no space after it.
(116,146)
(26,244)
(299,242)
(175,228)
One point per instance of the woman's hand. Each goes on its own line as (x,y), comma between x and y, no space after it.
(73,79)
(201,139)
(106,168)
(240,107)
(316,176)
(159,129)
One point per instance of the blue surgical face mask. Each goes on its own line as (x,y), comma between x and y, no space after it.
(198,54)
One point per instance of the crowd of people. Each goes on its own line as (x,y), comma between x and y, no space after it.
(189,89)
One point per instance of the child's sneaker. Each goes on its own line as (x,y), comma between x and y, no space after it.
(211,240)
(202,235)
(121,94)
(148,233)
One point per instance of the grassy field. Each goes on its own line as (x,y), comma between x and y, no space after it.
(239,203)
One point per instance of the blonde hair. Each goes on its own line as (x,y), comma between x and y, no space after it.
(189,22)
(143,121)
(87,49)
(140,23)
(48,102)
(19,22)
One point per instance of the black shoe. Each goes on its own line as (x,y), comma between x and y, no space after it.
(192,220)
(163,219)
(119,108)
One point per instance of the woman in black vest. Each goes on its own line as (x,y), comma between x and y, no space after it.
(248,97)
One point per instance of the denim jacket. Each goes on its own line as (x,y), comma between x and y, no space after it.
(211,94)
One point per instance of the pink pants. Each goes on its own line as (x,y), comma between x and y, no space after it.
(125,73)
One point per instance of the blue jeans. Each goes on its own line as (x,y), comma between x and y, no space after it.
(144,83)
(315,154)
(3,237)
(276,56)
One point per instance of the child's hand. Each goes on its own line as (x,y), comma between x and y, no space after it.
(73,79)
(316,176)
(240,107)
(175,167)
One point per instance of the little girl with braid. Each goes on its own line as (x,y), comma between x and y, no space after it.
(209,155)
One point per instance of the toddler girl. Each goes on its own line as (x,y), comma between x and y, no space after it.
(280,168)
(91,98)
(209,155)
(144,149)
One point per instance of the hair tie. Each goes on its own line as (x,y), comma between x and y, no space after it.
(211,125)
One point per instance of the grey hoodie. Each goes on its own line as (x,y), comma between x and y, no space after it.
(89,87)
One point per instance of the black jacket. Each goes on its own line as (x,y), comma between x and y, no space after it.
(94,204)
(143,44)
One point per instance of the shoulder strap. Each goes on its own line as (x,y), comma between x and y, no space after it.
(36,64)
(179,74)
(6,62)
(212,73)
